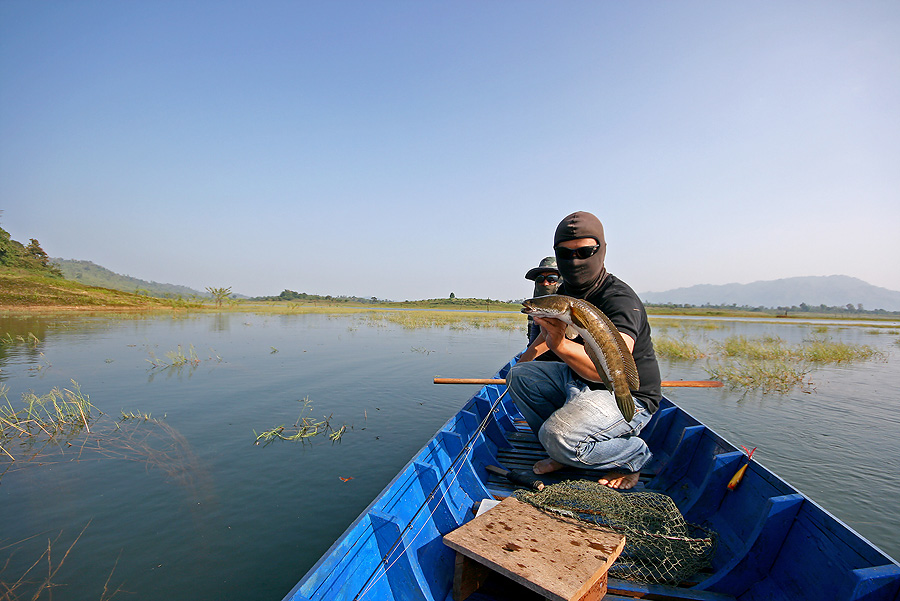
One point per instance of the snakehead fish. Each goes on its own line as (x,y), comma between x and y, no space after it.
(602,342)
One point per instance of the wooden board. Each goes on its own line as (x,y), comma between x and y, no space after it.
(560,558)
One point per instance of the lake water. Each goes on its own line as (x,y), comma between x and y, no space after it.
(188,507)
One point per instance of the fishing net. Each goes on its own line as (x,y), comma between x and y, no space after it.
(660,546)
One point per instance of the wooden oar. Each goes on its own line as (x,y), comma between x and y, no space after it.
(665,383)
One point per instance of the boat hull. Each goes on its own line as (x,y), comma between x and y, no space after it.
(774,543)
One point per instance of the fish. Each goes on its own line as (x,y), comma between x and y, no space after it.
(602,342)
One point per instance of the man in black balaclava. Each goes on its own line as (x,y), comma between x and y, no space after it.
(555,384)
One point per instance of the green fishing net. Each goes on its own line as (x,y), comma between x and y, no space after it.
(660,546)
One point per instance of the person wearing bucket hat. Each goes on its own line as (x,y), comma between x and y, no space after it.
(546,280)
(555,385)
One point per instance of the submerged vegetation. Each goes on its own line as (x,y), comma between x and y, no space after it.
(40,577)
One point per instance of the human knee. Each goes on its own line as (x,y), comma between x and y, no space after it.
(556,437)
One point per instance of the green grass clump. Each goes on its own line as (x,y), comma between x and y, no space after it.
(676,348)
(824,350)
(768,375)
(59,412)
(764,348)
(176,358)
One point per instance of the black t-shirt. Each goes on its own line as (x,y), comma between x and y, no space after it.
(623,307)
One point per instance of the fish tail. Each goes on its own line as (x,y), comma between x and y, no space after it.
(626,405)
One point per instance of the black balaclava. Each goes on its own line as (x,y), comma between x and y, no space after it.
(581,277)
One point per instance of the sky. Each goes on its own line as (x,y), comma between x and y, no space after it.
(413,149)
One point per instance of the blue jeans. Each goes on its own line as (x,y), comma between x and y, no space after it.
(577,426)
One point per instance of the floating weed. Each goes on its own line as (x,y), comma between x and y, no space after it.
(335,436)
(140,416)
(304,428)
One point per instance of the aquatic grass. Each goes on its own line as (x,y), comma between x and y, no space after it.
(453,320)
(764,362)
(768,375)
(667,347)
(29,338)
(62,410)
(684,324)
(763,348)
(49,424)
(825,350)
(176,358)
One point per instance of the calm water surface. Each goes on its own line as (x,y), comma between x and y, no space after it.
(191,509)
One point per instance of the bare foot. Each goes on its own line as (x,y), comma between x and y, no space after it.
(545,466)
(621,481)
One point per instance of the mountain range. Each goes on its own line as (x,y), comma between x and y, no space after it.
(92,274)
(831,291)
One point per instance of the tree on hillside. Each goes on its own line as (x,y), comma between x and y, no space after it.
(8,251)
(37,253)
(220,294)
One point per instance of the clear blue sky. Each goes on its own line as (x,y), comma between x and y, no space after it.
(408,150)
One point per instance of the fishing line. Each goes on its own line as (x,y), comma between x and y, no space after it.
(369,583)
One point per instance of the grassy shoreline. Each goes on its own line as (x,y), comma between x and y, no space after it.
(26,292)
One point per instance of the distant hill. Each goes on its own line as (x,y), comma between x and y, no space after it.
(95,275)
(832,290)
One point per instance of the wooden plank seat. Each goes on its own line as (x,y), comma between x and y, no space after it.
(560,558)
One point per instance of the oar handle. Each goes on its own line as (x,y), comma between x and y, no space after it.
(482,381)
(665,383)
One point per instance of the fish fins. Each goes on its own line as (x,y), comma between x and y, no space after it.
(625,402)
(631,372)
(598,365)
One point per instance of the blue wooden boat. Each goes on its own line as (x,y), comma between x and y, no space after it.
(774,543)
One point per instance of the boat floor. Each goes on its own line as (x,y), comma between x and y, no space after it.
(526,451)
(522,455)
